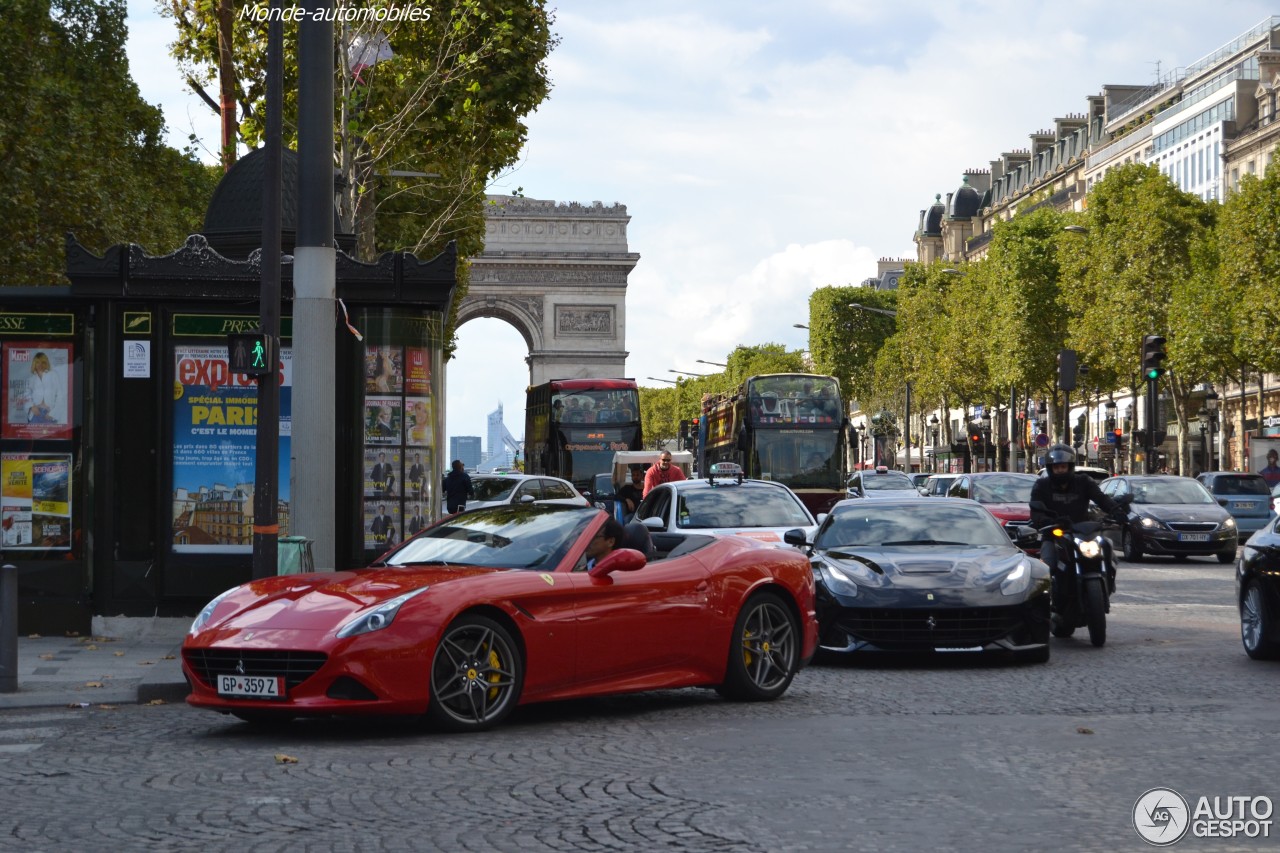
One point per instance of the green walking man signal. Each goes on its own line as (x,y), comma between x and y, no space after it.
(251,353)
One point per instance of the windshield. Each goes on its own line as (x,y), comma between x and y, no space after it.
(493,488)
(1242,485)
(795,399)
(1003,490)
(508,537)
(739,506)
(808,458)
(887,483)
(868,525)
(613,406)
(1175,490)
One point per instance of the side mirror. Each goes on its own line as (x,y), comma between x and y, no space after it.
(587,495)
(618,560)
(822,516)
(653,523)
(795,537)
(526,499)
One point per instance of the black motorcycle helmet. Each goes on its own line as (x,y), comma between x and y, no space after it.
(1058,455)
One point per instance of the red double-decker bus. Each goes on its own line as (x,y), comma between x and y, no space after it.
(574,426)
(788,427)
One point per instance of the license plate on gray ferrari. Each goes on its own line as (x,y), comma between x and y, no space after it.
(251,686)
(1193,537)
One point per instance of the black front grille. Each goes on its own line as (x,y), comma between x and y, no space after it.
(1194,526)
(958,628)
(293,667)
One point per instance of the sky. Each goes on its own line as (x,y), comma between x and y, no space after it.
(764,150)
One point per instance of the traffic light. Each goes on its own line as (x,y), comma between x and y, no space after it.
(251,353)
(1152,354)
(1067,369)
(1077,434)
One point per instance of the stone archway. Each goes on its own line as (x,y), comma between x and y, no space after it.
(558,274)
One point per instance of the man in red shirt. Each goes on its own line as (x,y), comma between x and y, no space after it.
(663,472)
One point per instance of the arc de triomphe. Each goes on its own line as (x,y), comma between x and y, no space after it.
(557,272)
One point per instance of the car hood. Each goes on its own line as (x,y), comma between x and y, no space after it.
(1183,512)
(325,600)
(929,567)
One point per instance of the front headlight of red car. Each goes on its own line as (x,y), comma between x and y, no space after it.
(207,612)
(377,618)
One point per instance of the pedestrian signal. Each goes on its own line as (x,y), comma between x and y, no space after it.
(251,353)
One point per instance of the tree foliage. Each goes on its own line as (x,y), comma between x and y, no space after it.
(82,152)
(844,341)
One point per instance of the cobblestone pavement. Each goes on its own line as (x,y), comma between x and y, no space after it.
(881,754)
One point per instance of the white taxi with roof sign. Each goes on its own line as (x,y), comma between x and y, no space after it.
(725,502)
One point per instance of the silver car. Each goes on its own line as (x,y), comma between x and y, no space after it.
(725,503)
(499,489)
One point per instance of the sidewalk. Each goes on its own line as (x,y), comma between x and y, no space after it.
(125,661)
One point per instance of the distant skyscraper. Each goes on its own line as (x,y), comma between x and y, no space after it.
(466,448)
(502,444)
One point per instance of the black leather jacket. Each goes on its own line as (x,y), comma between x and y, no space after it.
(1070,501)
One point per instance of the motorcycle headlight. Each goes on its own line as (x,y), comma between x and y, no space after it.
(1018,580)
(836,580)
(207,612)
(377,618)
(1091,548)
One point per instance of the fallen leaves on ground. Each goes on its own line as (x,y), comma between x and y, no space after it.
(91,648)
(157,702)
(281,758)
(118,654)
(1083,730)
(47,657)
(106,707)
(169,657)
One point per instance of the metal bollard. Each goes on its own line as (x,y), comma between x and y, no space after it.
(8,629)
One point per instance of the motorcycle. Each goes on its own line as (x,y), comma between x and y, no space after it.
(1084,578)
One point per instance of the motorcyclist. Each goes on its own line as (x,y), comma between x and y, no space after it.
(1065,494)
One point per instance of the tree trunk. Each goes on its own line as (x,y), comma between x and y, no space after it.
(228,85)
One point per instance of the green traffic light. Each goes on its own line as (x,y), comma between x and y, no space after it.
(1153,374)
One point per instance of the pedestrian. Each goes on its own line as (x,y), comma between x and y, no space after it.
(457,488)
(663,472)
(1271,473)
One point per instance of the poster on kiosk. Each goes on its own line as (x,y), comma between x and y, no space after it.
(215,416)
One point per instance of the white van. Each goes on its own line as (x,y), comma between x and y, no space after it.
(607,485)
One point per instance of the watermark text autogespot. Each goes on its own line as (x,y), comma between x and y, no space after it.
(1162,817)
(346,14)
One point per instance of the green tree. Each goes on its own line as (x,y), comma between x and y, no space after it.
(1248,247)
(1142,237)
(844,341)
(421,132)
(82,152)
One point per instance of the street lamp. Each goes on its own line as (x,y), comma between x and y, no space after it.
(1203,417)
(660,379)
(933,428)
(884,311)
(712,363)
(799,326)
(685,372)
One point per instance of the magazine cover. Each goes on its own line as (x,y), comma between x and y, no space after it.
(383,370)
(381,524)
(383,420)
(37,387)
(382,472)
(418,422)
(35,503)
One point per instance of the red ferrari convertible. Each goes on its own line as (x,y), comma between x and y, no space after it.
(495,608)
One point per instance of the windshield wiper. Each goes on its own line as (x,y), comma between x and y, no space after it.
(923,542)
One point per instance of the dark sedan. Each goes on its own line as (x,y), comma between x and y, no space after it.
(1258,593)
(936,575)
(1171,515)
